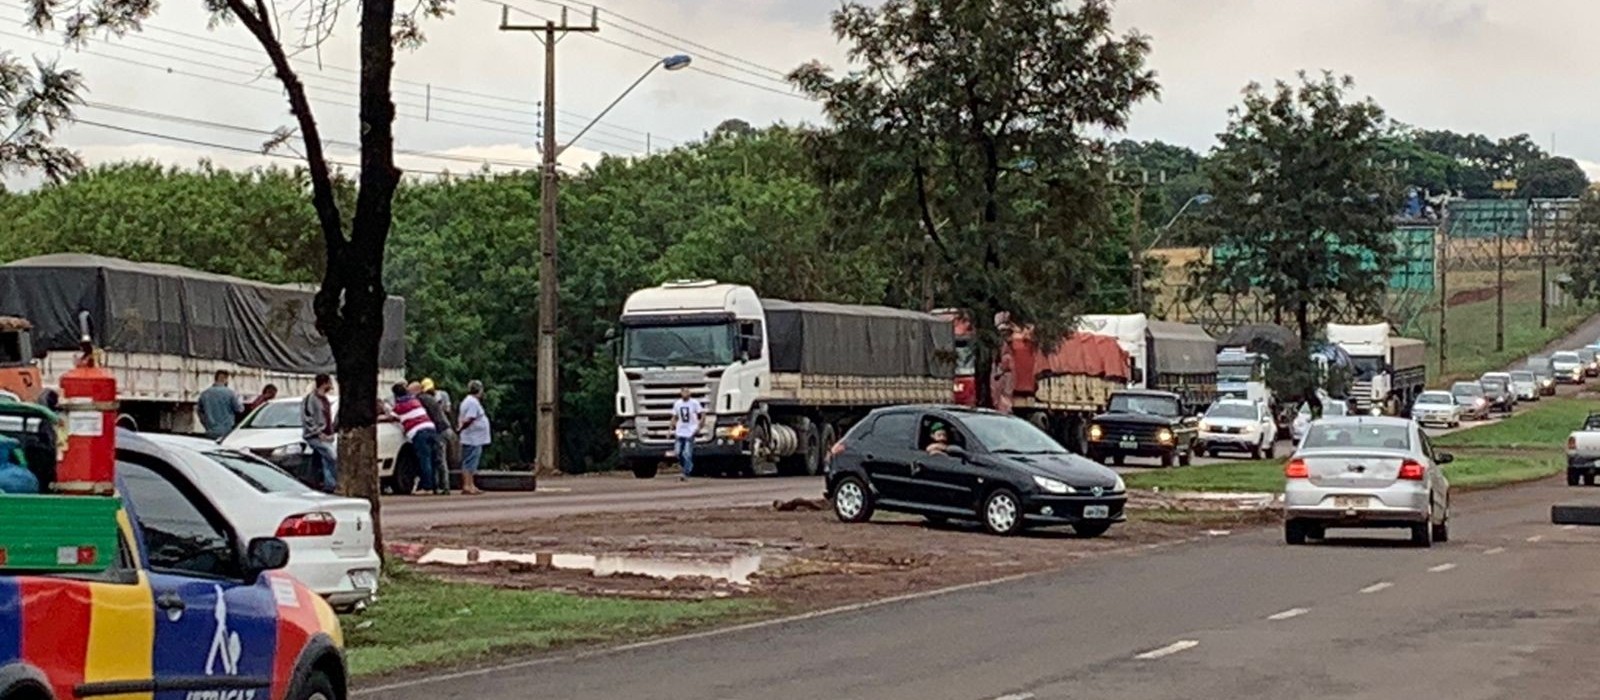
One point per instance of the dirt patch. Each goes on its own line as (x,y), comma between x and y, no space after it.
(1471,296)
(807,559)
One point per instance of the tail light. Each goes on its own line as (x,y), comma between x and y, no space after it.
(308,525)
(1297,469)
(1411,470)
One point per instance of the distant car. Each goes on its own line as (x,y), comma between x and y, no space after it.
(1239,425)
(1331,408)
(1568,367)
(997,469)
(1590,359)
(1526,385)
(1142,423)
(272,432)
(1436,408)
(1497,388)
(330,538)
(1471,398)
(1367,472)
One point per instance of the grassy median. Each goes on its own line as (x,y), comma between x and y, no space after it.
(1524,447)
(423,622)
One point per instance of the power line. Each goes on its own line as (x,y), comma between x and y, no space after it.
(227,147)
(762,72)
(687,42)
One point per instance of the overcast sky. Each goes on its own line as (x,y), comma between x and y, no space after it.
(1498,67)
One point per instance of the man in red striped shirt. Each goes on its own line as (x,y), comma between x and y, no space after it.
(420,431)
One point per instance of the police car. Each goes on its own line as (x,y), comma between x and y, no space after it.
(152,595)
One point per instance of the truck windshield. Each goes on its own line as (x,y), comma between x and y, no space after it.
(708,345)
(1145,405)
(1366,367)
(1236,372)
(966,360)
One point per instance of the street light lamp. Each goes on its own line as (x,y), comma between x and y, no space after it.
(674,62)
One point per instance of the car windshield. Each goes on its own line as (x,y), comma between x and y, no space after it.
(1236,372)
(1164,406)
(259,475)
(1522,376)
(707,345)
(278,414)
(1493,383)
(1467,389)
(1001,433)
(1232,410)
(1435,397)
(1570,358)
(1353,434)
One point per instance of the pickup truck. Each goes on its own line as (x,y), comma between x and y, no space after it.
(1142,423)
(1583,452)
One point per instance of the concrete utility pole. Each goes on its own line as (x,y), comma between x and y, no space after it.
(546,437)
(1505,188)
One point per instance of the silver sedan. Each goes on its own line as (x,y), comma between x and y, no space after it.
(1367,472)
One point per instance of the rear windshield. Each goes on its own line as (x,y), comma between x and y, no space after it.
(1436,397)
(1377,436)
(1467,390)
(1522,376)
(1564,357)
(261,476)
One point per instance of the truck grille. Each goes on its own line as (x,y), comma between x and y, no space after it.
(653,401)
(1145,435)
(1362,393)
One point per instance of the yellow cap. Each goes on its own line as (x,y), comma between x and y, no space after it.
(427,384)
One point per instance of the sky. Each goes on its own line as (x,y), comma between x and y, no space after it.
(180,91)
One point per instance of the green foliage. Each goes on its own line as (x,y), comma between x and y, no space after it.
(1582,257)
(958,148)
(34,104)
(1476,161)
(1552,177)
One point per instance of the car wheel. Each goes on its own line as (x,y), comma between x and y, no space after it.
(645,469)
(1294,532)
(1588,479)
(1090,530)
(1166,459)
(1272,449)
(405,473)
(1118,459)
(852,500)
(1002,512)
(1316,532)
(1441,532)
(317,686)
(1186,458)
(1422,535)
(1572,478)
(1255,453)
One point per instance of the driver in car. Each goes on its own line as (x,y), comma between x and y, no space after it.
(939,440)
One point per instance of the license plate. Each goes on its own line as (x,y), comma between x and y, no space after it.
(1130,444)
(365,578)
(1097,512)
(1350,501)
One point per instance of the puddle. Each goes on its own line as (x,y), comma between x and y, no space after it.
(736,570)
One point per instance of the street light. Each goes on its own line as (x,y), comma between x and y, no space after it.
(674,62)
(1200,199)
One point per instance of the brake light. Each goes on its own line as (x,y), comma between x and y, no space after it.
(1411,470)
(308,525)
(1297,469)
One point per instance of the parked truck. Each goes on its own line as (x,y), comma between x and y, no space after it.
(780,380)
(165,331)
(1388,372)
(1243,367)
(1176,357)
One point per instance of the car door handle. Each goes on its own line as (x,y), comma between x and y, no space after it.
(170,601)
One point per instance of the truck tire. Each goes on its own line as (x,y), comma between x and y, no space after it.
(829,437)
(811,450)
(644,468)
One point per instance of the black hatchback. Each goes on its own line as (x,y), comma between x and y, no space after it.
(946,462)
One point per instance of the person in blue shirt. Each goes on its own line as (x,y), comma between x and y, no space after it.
(219,407)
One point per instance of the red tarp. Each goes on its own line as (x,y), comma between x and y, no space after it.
(1080,353)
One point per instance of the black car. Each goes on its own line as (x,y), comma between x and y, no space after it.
(1144,424)
(994,468)
(1502,398)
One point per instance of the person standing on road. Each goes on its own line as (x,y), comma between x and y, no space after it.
(219,407)
(317,429)
(474,436)
(444,435)
(419,430)
(686,415)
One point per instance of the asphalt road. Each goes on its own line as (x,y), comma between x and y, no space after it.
(1505,610)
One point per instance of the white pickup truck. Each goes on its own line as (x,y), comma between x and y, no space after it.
(1583,452)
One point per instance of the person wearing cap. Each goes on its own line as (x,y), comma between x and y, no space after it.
(940,439)
(442,439)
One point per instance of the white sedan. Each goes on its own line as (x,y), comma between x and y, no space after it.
(1436,408)
(1302,420)
(330,537)
(272,432)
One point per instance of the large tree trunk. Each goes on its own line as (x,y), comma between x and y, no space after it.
(1302,319)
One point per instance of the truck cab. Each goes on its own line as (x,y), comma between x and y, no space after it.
(1242,375)
(19,372)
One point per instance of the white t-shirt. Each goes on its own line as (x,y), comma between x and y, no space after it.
(478,433)
(687,412)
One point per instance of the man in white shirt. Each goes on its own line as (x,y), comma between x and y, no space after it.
(686,415)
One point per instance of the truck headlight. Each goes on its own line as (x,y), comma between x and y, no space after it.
(626,434)
(1164,436)
(1052,485)
(1096,432)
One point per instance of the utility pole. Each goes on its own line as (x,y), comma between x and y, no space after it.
(1136,244)
(1505,188)
(546,437)
(1542,230)
(1442,262)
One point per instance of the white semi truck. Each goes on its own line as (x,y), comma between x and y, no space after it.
(1176,357)
(1388,371)
(780,380)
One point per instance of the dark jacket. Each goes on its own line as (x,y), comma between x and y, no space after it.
(435,412)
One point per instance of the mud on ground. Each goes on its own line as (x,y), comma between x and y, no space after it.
(807,558)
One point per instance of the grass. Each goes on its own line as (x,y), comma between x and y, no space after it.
(1524,447)
(1472,326)
(423,622)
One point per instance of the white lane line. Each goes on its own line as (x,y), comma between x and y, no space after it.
(1168,650)
(1535,538)
(1374,588)
(1569,527)
(1441,568)
(1496,550)
(1291,612)
(1017,696)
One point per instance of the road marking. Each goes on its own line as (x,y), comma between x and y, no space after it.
(1569,527)
(1374,588)
(1168,650)
(1017,696)
(1496,550)
(1291,612)
(1441,568)
(1535,538)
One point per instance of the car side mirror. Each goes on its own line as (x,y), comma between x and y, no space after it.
(956,451)
(1444,458)
(265,554)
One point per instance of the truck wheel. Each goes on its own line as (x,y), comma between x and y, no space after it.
(829,437)
(645,469)
(811,450)
(1572,478)
(759,436)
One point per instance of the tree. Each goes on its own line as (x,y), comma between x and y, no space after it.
(1303,204)
(34,103)
(1551,178)
(1583,250)
(959,147)
(349,303)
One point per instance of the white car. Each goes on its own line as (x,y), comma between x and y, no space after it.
(1302,420)
(1239,425)
(330,537)
(272,432)
(1436,408)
